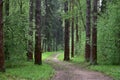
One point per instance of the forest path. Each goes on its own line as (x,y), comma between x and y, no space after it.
(69,71)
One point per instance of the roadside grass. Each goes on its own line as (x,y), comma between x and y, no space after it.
(61,56)
(111,70)
(76,59)
(29,71)
(46,55)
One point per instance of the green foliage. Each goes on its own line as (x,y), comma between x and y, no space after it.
(52,30)
(77,59)
(61,56)
(108,35)
(80,46)
(111,70)
(46,55)
(15,29)
(28,72)
(79,11)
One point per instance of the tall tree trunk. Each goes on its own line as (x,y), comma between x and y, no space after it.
(56,44)
(72,30)
(94,34)
(30,40)
(6,51)
(66,37)
(88,31)
(77,35)
(2,66)
(45,45)
(72,48)
(38,52)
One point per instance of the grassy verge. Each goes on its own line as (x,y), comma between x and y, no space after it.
(29,71)
(46,55)
(61,56)
(76,59)
(111,70)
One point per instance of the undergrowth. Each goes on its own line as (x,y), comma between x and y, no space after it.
(28,71)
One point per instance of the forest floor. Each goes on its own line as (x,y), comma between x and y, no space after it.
(70,71)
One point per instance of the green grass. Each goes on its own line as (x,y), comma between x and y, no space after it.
(76,59)
(29,71)
(111,70)
(61,56)
(46,55)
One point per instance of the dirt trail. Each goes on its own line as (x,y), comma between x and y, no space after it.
(69,71)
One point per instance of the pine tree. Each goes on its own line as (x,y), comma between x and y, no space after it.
(66,37)
(94,33)
(30,40)
(2,61)
(72,29)
(38,52)
(88,31)
(77,27)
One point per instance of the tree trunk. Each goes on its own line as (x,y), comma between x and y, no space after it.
(56,44)
(66,37)
(2,61)
(77,35)
(72,30)
(6,50)
(45,46)
(72,48)
(94,34)
(30,40)
(88,30)
(38,52)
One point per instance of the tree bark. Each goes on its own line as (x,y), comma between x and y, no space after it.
(88,31)
(30,40)
(6,50)
(66,37)
(38,52)
(2,60)
(72,48)
(94,34)
(72,30)
(77,35)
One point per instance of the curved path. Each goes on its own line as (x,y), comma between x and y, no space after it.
(69,71)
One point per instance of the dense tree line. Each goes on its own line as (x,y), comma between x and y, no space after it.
(93,21)
(89,27)
(29,30)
